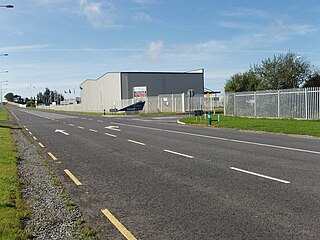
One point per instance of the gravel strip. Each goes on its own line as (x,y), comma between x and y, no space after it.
(49,218)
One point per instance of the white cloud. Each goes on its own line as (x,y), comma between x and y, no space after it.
(154,50)
(234,25)
(99,14)
(24,47)
(141,16)
(245,12)
(144,2)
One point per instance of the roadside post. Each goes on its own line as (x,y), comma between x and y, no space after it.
(218,117)
(209,118)
(190,94)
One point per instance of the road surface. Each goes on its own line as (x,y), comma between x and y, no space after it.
(150,178)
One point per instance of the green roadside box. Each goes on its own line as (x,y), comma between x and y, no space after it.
(209,118)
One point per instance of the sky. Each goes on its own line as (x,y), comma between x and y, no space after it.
(60,43)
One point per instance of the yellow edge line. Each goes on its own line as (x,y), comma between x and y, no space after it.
(76,181)
(52,156)
(118,225)
(34,138)
(41,145)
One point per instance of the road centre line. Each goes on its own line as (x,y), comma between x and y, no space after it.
(140,143)
(70,124)
(73,178)
(100,121)
(52,156)
(80,127)
(92,130)
(222,139)
(41,145)
(180,154)
(90,119)
(83,118)
(260,175)
(118,224)
(111,135)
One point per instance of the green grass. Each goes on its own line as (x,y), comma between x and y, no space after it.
(286,126)
(12,207)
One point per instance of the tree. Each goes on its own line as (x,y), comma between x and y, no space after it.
(9,97)
(40,97)
(241,82)
(46,97)
(283,71)
(314,81)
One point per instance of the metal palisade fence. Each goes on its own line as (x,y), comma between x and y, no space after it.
(302,103)
(177,103)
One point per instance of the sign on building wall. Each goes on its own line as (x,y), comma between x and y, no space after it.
(140,91)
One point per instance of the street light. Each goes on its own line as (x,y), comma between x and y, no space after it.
(4,54)
(7,6)
(5,84)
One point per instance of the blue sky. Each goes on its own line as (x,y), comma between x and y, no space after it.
(60,43)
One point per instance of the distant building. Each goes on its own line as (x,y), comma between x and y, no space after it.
(111,88)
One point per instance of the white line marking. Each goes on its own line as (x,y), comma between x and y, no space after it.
(90,119)
(114,128)
(34,138)
(41,145)
(260,175)
(27,129)
(99,121)
(111,135)
(180,154)
(15,116)
(24,126)
(30,133)
(70,124)
(92,130)
(222,139)
(80,127)
(83,118)
(61,131)
(140,143)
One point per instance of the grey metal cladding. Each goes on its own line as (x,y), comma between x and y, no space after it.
(161,83)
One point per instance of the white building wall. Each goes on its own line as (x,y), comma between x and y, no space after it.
(103,93)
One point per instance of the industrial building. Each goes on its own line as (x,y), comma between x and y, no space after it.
(111,89)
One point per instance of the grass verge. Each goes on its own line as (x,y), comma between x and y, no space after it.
(286,126)
(12,207)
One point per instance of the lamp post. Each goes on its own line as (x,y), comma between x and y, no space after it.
(4,54)
(2,83)
(7,6)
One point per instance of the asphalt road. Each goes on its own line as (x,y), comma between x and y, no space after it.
(150,178)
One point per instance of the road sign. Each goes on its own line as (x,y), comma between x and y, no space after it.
(190,93)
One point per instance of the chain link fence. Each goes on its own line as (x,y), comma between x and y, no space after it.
(301,103)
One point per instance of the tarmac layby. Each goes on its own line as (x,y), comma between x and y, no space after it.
(150,178)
